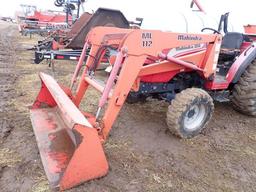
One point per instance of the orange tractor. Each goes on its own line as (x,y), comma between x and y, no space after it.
(187,70)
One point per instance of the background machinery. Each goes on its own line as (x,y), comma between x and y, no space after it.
(47,22)
(63,45)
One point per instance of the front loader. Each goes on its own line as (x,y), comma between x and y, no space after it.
(186,70)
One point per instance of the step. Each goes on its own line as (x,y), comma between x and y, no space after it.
(220,79)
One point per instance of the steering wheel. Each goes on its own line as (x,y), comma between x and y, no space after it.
(211,29)
(59,3)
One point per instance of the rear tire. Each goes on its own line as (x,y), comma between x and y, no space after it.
(189,112)
(244,92)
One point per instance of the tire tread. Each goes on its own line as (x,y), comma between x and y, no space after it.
(180,104)
(244,92)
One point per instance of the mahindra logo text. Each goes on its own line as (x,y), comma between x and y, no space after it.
(189,38)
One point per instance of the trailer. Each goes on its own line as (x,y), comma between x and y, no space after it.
(57,55)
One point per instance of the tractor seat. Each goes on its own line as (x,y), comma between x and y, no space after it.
(231,44)
(232,40)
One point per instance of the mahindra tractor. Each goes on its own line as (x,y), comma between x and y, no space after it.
(188,71)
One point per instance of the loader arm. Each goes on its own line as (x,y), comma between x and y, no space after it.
(138,45)
(198,4)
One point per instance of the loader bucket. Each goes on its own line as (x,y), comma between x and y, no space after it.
(69,146)
(102,17)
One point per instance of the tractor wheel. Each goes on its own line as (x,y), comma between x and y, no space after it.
(189,112)
(244,92)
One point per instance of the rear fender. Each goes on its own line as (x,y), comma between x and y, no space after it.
(241,64)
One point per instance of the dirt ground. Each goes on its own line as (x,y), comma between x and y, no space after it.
(142,154)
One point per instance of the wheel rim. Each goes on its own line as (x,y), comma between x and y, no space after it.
(195,117)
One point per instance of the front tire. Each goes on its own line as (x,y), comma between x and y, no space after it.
(189,112)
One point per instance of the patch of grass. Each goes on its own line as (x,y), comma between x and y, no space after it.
(9,158)
(90,101)
(249,151)
(41,186)
(111,144)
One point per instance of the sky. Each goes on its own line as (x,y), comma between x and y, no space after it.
(168,15)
